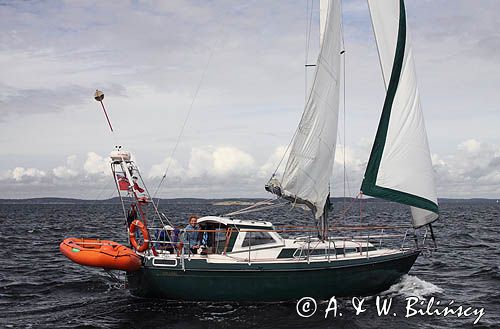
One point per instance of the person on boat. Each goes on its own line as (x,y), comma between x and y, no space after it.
(164,239)
(131,214)
(177,244)
(191,235)
(205,241)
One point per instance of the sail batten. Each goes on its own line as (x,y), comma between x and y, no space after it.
(400,167)
(310,163)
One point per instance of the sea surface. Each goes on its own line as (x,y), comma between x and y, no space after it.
(40,288)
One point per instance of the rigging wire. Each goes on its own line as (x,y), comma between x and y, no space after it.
(96,199)
(284,153)
(181,132)
(309,11)
(186,119)
(309,14)
(267,204)
(343,105)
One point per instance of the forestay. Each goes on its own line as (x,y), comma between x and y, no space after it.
(400,167)
(309,167)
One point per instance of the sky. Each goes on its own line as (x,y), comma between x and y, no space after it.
(237,68)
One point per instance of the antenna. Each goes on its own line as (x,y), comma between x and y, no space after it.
(99,96)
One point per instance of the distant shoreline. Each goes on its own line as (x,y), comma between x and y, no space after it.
(214,201)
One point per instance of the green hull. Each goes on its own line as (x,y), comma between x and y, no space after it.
(270,282)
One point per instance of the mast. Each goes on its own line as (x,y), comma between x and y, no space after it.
(306,178)
(324,6)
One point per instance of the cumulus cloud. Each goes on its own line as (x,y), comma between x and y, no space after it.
(200,163)
(52,56)
(471,170)
(96,164)
(89,176)
(169,166)
(232,161)
(69,170)
(224,171)
(471,147)
(218,162)
(20,174)
(274,162)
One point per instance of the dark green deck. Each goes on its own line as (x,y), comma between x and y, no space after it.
(271,282)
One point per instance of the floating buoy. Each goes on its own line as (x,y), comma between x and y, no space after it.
(145,234)
(100,253)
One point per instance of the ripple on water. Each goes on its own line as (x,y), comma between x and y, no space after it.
(40,288)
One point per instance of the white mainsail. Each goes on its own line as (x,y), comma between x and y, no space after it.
(307,173)
(324,6)
(400,167)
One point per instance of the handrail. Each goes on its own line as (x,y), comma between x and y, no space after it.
(306,251)
(404,239)
(345,228)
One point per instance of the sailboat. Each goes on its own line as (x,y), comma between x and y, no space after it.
(253,260)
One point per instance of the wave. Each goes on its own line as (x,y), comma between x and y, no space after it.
(490,272)
(410,285)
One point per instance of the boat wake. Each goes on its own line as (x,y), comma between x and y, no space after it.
(412,286)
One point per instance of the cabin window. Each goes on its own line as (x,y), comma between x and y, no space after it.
(257,238)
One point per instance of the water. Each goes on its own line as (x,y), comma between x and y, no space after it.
(40,288)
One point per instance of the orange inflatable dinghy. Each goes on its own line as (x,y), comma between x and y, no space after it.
(100,253)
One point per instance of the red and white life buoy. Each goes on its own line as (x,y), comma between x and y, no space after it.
(145,234)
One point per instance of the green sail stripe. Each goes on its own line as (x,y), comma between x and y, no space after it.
(402,197)
(369,186)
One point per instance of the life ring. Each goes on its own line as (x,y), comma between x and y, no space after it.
(145,234)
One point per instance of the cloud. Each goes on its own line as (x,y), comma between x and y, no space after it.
(93,167)
(20,174)
(468,27)
(472,170)
(169,166)
(69,170)
(18,102)
(89,178)
(220,162)
(96,164)
(200,163)
(470,146)
(54,54)
(232,161)
(275,162)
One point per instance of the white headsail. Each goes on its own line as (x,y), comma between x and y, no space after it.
(400,167)
(307,173)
